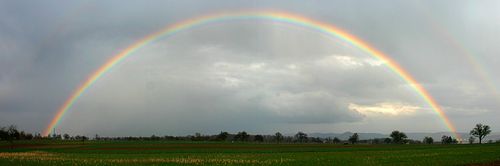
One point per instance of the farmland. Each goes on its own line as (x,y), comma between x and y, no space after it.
(226,153)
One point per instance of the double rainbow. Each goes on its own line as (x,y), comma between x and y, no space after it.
(283,17)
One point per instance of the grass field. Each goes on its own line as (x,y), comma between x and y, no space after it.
(214,153)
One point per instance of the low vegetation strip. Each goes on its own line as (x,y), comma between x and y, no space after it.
(41,157)
(238,153)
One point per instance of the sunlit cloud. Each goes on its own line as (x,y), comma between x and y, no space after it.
(384,109)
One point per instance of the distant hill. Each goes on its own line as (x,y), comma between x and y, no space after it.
(346,135)
(415,136)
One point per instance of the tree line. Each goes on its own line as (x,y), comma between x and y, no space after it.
(480,131)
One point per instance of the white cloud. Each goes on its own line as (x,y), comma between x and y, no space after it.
(236,74)
(292,66)
(383,109)
(347,62)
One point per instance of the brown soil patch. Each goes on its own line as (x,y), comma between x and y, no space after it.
(37,146)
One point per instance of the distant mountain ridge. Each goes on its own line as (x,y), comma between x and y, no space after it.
(415,136)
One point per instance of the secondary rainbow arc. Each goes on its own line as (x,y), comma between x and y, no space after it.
(268,15)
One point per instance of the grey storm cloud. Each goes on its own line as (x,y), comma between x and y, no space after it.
(253,75)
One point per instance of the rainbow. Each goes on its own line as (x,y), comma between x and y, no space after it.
(467,54)
(283,17)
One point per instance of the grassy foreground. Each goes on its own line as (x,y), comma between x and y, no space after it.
(213,153)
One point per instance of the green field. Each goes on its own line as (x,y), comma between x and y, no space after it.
(214,153)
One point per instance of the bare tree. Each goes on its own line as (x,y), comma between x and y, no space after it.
(480,131)
(12,134)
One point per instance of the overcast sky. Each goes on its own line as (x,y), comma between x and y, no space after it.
(254,75)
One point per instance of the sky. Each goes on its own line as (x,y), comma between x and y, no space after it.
(260,76)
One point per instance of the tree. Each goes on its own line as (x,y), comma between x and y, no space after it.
(12,134)
(336,140)
(153,138)
(22,135)
(259,138)
(197,137)
(387,140)
(301,137)
(37,136)
(66,136)
(98,138)
(81,138)
(278,136)
(354,138)
(241,136)
(428,140)
(29,136)
(316,140)
(244,136)
(57,137)
(448,140)
(4,135)
(398,137)
(480,131)
(222,136)
(471,140)
(84,138)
